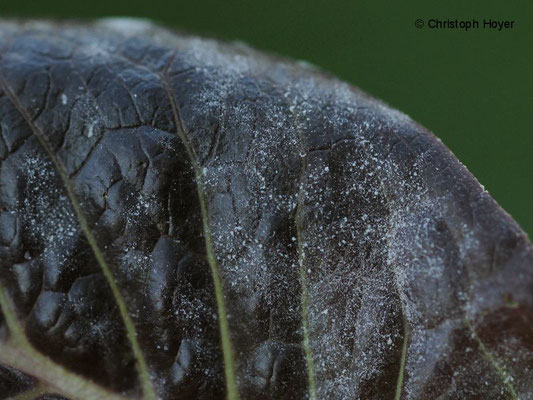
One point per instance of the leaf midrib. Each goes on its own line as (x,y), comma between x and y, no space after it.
(227,352)
(19,353)
(142,368)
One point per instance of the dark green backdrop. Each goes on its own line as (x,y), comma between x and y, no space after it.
(472,89)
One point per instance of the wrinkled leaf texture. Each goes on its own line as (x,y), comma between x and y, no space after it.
(182,218)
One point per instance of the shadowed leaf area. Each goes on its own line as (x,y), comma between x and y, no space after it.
(182,218)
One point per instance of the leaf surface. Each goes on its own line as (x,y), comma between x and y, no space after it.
(182,218)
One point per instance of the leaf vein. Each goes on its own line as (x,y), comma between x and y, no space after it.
(142,367)
(227,353)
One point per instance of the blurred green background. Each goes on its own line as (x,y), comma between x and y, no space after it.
(472,89)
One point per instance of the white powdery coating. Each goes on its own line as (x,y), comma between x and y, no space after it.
(241,253)
(304,147)
(52,218)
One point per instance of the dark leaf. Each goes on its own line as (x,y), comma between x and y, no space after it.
(187,219)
